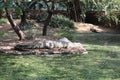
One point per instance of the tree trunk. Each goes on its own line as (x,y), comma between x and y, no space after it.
(46,23)
(24,17)
(70,10)
(25,11)
(15,28)
(50,13)
(74,10)
(24,25)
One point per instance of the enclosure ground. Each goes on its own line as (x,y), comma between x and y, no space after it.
(102,62)
(10,39)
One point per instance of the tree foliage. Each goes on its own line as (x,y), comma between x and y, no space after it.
(76,9)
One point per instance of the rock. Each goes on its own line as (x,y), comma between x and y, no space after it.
(70,45)
(63,45)
(64,40)
(85,52)
(37,45)
(40,44)
(74,45)
(48,44)
(58,44)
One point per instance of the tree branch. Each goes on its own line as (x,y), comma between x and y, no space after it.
(13,24)
(32,4)
(17,4)
(46,3)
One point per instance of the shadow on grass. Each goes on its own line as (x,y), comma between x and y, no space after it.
(105,53)
(98,39)
(93,38)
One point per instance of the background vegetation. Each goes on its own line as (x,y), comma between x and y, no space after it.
(59,21)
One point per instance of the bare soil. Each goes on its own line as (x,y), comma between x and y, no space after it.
(85,28)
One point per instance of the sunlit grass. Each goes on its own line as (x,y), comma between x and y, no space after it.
(101,63)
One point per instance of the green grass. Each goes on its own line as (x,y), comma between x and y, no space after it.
(3,35)
(102,62)
(3,20)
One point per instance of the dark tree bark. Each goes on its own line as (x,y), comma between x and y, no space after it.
(74,10)
(15,28)
(77,10)
(48,19)
(24,17)
(25,9)
(70,10)
(46,23)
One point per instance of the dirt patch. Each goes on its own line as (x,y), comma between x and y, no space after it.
(85,28)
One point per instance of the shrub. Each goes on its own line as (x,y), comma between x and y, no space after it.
(17,13)
(110,20)
(66,33)
(3,35)
(1,13)
(59,21)
(41,17)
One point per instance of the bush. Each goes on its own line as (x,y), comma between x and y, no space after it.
(66,33)
(59,21)
(41,17)
(17,14)
(1,13)
(110,20)
(3,35)
(26,26)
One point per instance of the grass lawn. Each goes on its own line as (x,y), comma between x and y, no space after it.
(102,62)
